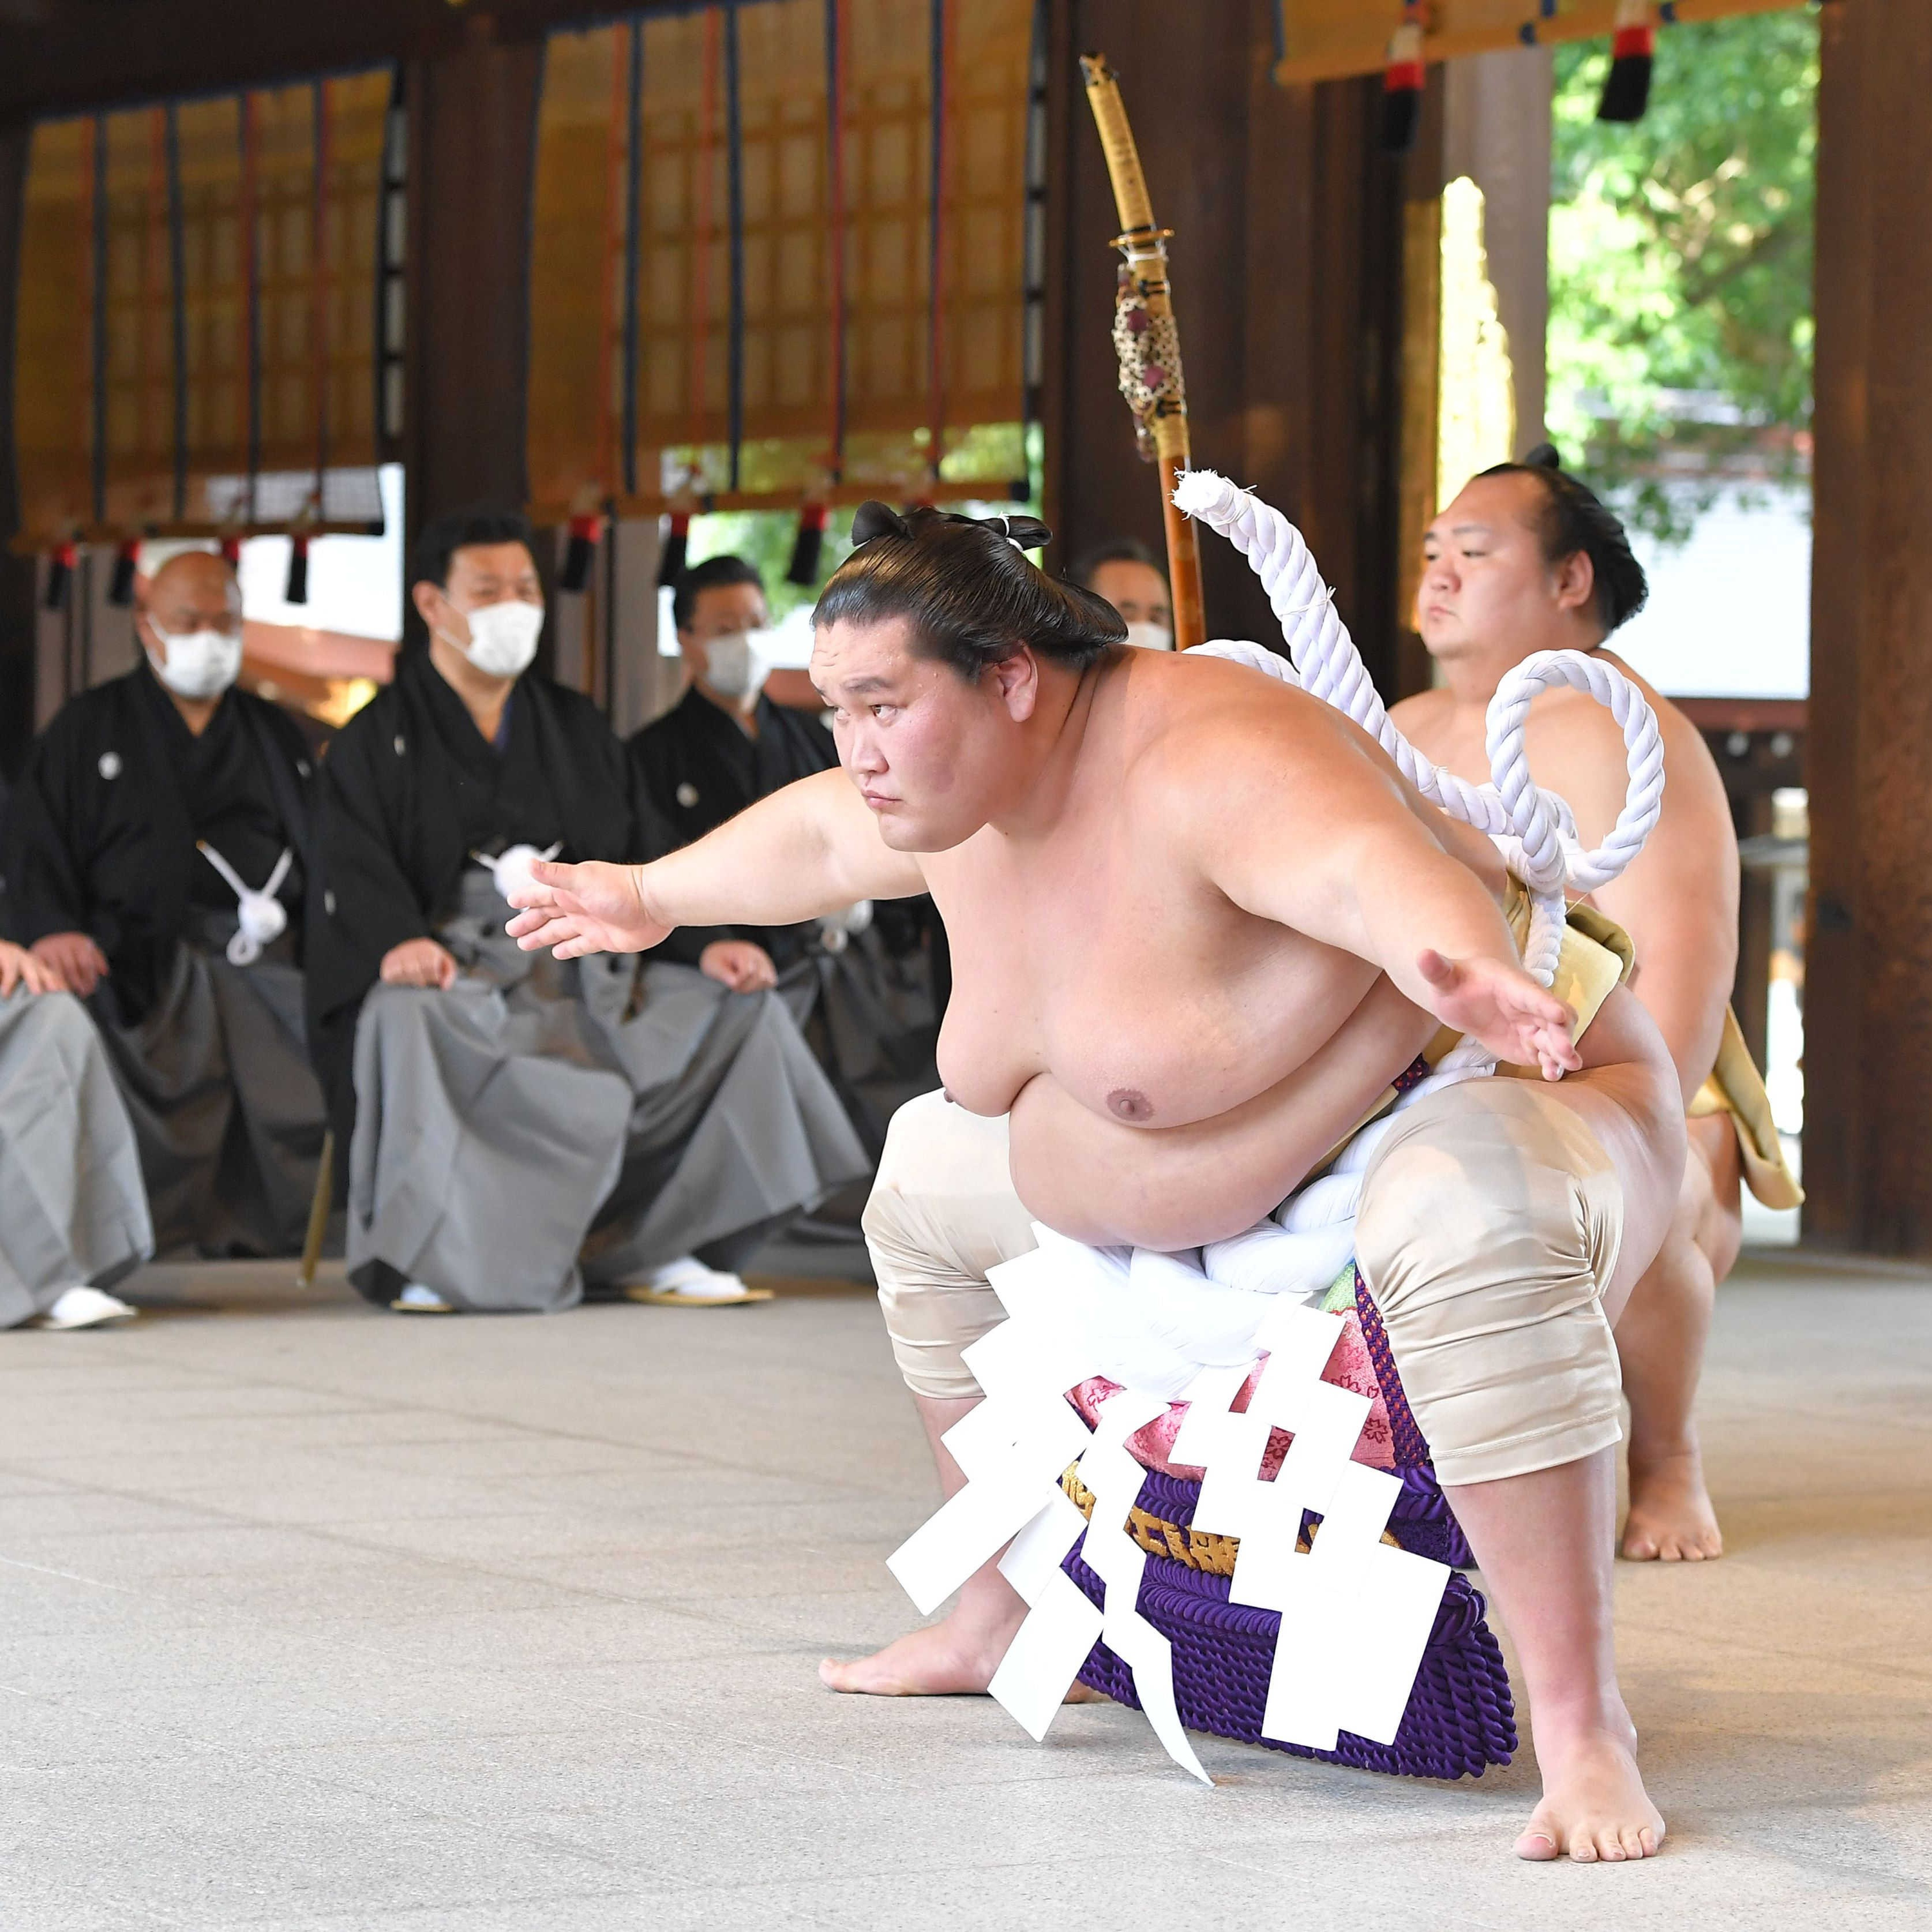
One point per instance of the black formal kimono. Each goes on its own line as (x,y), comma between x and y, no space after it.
(538,1122)
(109,833)
(871,1002)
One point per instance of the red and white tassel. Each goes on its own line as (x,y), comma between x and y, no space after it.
(580,552)
(1632,54)
(60,561)
(120,585)
(671,559)
(807,546)
(1403,79)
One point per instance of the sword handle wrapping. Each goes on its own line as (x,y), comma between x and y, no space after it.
(1117,143)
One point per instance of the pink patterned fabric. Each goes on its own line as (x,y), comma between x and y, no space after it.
(1349,1367)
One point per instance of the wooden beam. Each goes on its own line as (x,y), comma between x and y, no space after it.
(1357,44)
(77,56)
(1868,1018)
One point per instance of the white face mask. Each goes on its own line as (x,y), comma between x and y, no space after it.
(735,667)
(1151,636)
(196,663)
(503,637)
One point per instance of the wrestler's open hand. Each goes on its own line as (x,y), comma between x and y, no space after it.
(76,963)
(18,967)
(1502,1006)
(738,965)
(594,908)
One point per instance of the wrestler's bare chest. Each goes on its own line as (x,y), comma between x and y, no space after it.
(1101,957)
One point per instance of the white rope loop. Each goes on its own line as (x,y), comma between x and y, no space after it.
(261,919)
(1643,759)
(1535,828)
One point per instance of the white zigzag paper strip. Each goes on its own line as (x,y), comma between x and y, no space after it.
(1063,1307)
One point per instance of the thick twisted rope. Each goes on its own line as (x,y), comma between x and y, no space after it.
(1535,829)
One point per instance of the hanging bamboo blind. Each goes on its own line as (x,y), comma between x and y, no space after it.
(196,316)
(1328,40)
(726,300)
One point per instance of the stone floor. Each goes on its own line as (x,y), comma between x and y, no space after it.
(313,1617)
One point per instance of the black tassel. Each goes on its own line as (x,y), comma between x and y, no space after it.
(1403,80)
(580,552)
(1633,51)
(60,574)
(671,559)
(296,591)
(1402,119)
(1627,92)
(807,546)
(120,585)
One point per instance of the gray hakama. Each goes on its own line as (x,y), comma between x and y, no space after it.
(544,1122)
(227,1110)
(72,1210)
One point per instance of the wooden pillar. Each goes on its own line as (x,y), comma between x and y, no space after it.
(1498,133)
(18,626)
(1868,975)
(472,131)
(1286,273)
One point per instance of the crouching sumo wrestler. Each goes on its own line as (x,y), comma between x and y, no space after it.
(1199,923)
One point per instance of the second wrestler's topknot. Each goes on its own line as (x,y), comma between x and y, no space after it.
(1575,518)
(971,597)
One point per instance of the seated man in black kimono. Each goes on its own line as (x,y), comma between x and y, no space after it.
(156,861)
(521,1127)
(861,982)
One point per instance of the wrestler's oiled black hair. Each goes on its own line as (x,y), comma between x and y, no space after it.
(1574,518)
(443,536)
(713,574)
(972,598)
(1116,550)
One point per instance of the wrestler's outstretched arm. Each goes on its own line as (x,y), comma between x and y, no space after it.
(810,848)
(1299,817)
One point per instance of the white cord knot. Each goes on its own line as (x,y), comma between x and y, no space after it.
(837,930)
(260,917)
(511,867)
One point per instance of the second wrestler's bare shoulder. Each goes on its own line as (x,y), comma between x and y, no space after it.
(1575,722)
(1420,717)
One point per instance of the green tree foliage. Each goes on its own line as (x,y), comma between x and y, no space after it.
(1680,269)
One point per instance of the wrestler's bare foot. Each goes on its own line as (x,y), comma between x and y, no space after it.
(1594,1808)
(953,1658)
(1671,1519)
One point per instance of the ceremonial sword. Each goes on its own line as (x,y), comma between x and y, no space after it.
(1148,342)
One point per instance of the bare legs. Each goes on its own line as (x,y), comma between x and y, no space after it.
(1544,1542)
(1660,1338)
(961,1652)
